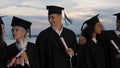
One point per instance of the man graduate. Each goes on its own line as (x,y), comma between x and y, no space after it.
(115,36)
(52,51)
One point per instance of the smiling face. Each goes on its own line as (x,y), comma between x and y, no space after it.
(55,19)
(19,33)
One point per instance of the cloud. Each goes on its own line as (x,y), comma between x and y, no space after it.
(77,10)
(6,3)
(22,11)
(37,26)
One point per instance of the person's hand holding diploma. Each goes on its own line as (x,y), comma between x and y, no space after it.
(70,52)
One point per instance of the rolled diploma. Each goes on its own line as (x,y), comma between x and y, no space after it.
(115,45)
(14,58)
(20,52)
(65,45)
(63,41)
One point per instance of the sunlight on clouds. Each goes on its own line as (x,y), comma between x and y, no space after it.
(106,21)
(45,21)
(80,14)
(32,4)
(22,11)
(36,26)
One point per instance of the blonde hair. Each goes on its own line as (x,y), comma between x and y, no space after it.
(22,29)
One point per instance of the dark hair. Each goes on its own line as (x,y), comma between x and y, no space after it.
(88,31)
(1,38)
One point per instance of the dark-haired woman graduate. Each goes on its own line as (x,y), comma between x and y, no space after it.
(91,54)
(28,58)
(3,47)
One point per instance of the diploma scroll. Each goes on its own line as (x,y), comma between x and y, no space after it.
(20,52)
(115,45)
(65,45)
(12,61)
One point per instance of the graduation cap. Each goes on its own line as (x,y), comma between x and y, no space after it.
(54,9)
(22,23)
(57,10)
(1,21)
(118,16)
(92,21)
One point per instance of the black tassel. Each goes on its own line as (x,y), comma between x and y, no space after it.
(67,19)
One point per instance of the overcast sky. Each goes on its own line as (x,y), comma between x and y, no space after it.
(77,10)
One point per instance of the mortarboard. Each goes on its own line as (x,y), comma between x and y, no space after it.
(57,10)
(54,9)
(92,21)
(118,16)
(23,23)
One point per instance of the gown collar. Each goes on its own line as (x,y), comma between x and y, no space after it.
(57,31)
(21,45)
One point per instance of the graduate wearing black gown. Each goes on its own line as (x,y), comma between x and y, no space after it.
(115,61)
(91,54)
(30,57)
(52,51)
(3,54)
(3,47)
(32,53)
(111,51)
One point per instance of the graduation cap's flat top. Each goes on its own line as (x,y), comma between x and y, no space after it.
(54,9)
(92,20)
(118,16)
(20,22)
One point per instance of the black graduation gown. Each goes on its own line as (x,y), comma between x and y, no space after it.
(3,54)
(52,51)
(91,55)
(112,52)
(32,53)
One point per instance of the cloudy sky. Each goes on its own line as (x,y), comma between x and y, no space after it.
(77,10)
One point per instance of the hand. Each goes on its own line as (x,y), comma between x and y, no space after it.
(19,61)
(24,56)
(70,52)
(11,62)
(82,40)
(118,56)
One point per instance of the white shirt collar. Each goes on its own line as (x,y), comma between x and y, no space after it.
(57,31)
(21,45)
